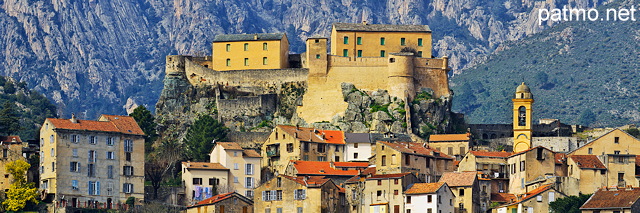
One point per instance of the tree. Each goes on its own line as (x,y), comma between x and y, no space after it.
(587,117)
(20,192)
(200,136)
(570,204)
(9,120)
(634,132)
(147,123)
(161,161)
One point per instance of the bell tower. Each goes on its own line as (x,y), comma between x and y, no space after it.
(522,128)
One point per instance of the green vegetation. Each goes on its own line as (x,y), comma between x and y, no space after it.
(20,192)
(570,204)
(575,74)
(147,123)
(23,110)
(633,131)
(200,136)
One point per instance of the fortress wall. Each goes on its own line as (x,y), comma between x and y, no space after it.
(340,61)
(246,106)
(198,74)
(428,62)
(436,79)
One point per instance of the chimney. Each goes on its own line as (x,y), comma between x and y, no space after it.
(73,118)
(188,163)
(255,36)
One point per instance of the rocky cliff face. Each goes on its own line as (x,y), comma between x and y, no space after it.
(94,57)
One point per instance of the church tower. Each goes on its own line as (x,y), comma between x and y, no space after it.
(522,128)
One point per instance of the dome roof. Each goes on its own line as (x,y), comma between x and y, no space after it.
(523,88)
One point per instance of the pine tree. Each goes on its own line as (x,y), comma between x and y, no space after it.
(9,120)
(200,137)
(147,123)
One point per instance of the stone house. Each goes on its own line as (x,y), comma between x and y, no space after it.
(455,145)
(314,194)
(589,170)
(243,164)
(536,200)
(87,163)
(402,157)
(287,143)
(429,198)
(227,202)
(354,189)
(11,151)
(613,200)
(529,168)
(489,165)
(465,186)
(384,192)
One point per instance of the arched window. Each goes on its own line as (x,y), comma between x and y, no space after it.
(522,116)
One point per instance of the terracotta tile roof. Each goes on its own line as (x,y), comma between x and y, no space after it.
(561,158)
(230,145)
(415,149)
(314,135)
(525,151)
(364,173)
(424,188)
(503,197)
(112,123)
(9,139)
(320,168)
(387,176)
(588,162)
(216,198)
(351,164)
(454,179)
(341,190)
(448,137)
(311,181)
(251,153)
(536,191)
(490,154)
(380,27)
(204,165)
(607,199)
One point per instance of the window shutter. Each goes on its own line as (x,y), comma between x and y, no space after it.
(79,167)
(98,188)
(90,188)
(264,196)
(71,167)
(272,195)
(124,187)
(304,193)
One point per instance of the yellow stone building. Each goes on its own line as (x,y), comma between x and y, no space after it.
(522,128)
(11,151)
(378,40)
(250,51)
(97,164)
(401,157)
(314,194)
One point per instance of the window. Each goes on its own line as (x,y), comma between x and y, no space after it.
(249,182)
(264,61)
(248,169)
(74,167)
(379,194)
(127,156)
(92,140)
(299,194)
(461,192)
(552,197)
(318,56)
(359,53)
(279,210)
(337,148)
(289,147)
(439,199)
(359,40)
(429,210)
(621,177)
(228,47)
(419,53)
(197,181)
(379,182)
(94,188)
(235,180)
(539,198)
(355,155)
(267,210)
(355,145)
(396,181)
(522,165)
(264,46)
(249,193)
(74,138)
(590,151)
(345,53)
(235,166)
(395,192)
(403,41)
(51,139)
(110,141)
(616,139)
(420,42)
(214,181)
(127,188)
(409,199)
(246,47)
(111,155)
(384,160)
(228,62)
(616,152)
(306,147)
(279,195)
(74,185)
(128,171)
(92,155)
(299,210)
(110,171)
(53,153)
(337,159)
(128,145)
(246,61)
(279,182)
(393,159)
(407,160)
(322,158)
(321,147)
(235,154)
(429,199)
(345,40)
(450,150)
(383,53)
(621,159)
(382,41)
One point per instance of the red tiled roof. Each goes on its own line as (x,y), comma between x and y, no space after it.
(561,158)
(215,199)
(424,188)
(204,165)
(111,123)
(314,135)
(503,197)
(532,194)
(9,139)
(449,137)
(320,168)
(365,172)
(310,180)
(230,145)
(490,154)
(386,176)
(351,164)
(588,162)
(251,153)
(415,149)
(454,179)
(608,199)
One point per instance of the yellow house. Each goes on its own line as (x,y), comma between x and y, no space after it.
(378,40)
(93,164)
(529,168)
(313,194)
(202,180)
(385,192)
(400,157)
(455,145)
(590,171)
(11,151)
(250,51)
(489,165)
(243,165)
(465,188)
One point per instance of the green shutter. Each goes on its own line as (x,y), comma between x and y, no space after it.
(403,41)
(346,40)
(359,41)
(382,41)
(359,53)
(383,53)
(345,53)
(420,42)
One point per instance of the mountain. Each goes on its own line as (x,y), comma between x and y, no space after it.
(96,56)
(579,72)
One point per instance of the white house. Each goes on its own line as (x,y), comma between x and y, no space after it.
(429,198)
(243,165)
(358,146)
